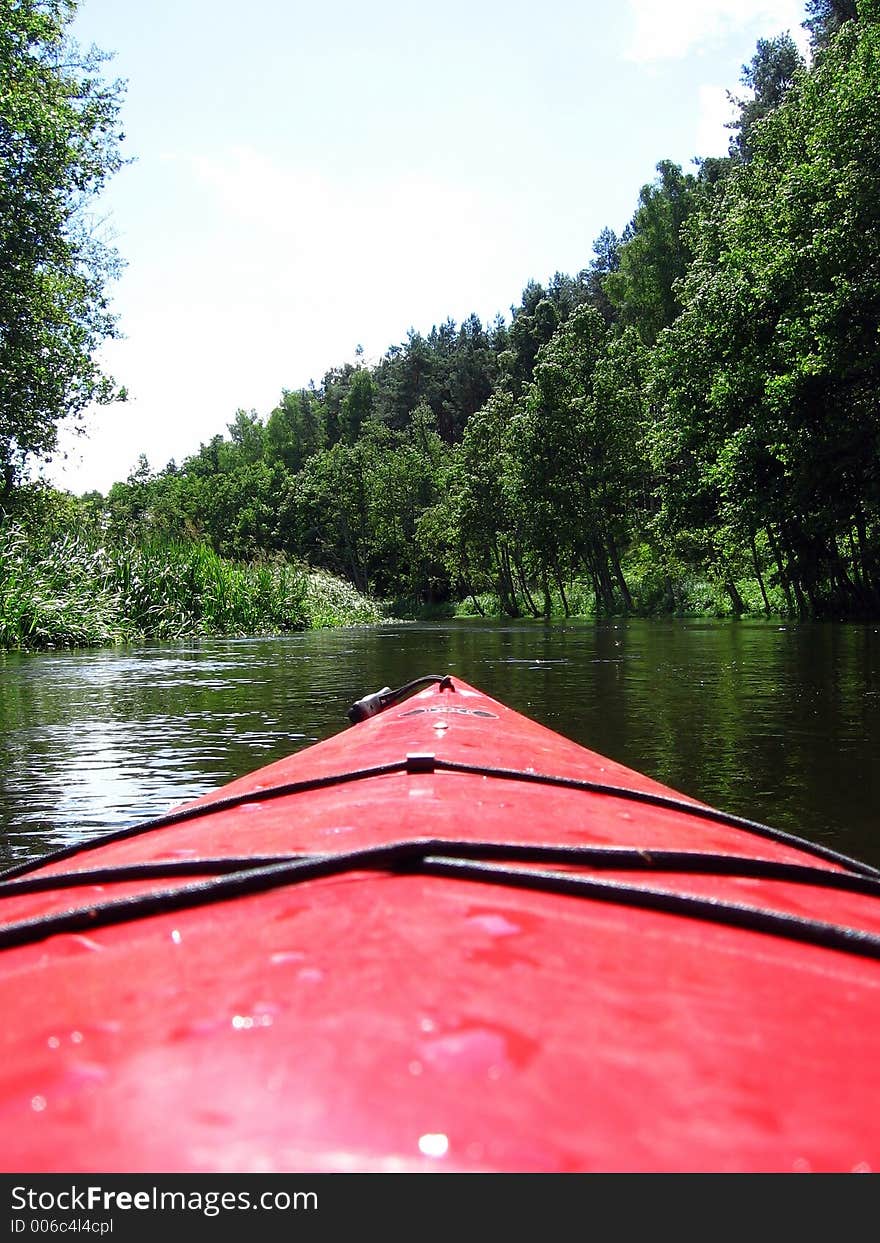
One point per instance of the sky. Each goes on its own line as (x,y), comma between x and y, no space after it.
(309,178)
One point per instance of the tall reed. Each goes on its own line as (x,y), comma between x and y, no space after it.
(72,589)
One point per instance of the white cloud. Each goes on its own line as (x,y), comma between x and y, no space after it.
(674,30)
(715,110)
(281,266)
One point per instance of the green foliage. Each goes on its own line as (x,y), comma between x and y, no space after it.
(331,601)
(357,405)
(767,384)
(72,590)
(59,141)
(654,253)
(690,423)
(825,18)
(68,588)
(294,431)
(770,73)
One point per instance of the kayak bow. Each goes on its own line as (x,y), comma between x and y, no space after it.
(447,938)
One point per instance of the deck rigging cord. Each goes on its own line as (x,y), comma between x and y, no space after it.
(600,858)
(429,763)
(234,876)
(433,857)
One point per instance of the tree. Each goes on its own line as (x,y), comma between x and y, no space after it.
(768,76)
(606,259)
(533,326)
(248,435)
(294,430)
(573,456)
(357,405)
(653,253)
(59,142)
(825,19)
(483,526)
(768,417)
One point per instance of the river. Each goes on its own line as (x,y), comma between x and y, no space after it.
(778,722)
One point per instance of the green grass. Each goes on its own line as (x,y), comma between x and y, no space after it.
(72,590)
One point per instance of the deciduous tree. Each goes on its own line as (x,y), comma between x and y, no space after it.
(59,142)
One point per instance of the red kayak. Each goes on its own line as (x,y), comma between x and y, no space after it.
(446,939)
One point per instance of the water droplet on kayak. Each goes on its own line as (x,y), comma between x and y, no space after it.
(83,1073)
(507,937)
(200,1027)
(292,912)
(53,1042)
(496,924)
(415,1067)
(310,975)
(282,956)
(801,1165)
(434,1145)
(213,1117)
(476,1050)
(862,1168)
(176,937)
(38,1104)
(76,1037)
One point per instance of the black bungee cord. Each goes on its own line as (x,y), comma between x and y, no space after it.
(431,858)
(467,860)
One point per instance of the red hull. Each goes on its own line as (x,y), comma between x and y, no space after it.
(381,1020)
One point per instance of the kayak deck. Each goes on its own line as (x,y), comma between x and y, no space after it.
(537,973)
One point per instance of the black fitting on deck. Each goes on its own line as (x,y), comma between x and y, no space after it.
(378,701)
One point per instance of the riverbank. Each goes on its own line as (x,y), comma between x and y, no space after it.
(76,591)
(63,589)
(652,592)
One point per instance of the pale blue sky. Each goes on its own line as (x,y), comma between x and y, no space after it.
(310,177)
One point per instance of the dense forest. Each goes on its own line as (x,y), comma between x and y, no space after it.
(691,421)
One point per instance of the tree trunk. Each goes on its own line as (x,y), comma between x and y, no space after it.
(559,583)
(795,572)
(520,573)
(545,587)
(590,566)
(758,573)
(735,598)
(602,574)
(618,574)
(507,588)
(867,562)
(780,568)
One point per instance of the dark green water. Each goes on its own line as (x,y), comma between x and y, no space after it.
(780,723)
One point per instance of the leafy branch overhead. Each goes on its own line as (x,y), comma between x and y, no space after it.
(59,143)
